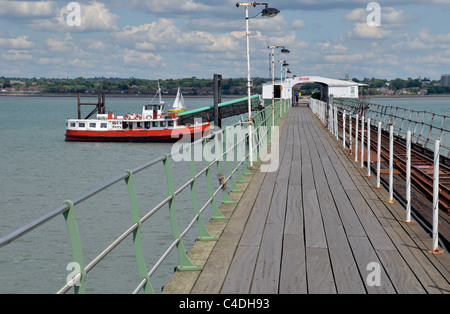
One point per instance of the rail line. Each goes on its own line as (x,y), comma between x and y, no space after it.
(424,199)
(421,165)
(422,168)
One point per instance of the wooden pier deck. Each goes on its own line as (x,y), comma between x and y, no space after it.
(317,225)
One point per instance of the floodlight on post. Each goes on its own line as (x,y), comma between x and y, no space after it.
(269,12)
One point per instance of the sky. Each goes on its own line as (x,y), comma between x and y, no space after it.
(152,39)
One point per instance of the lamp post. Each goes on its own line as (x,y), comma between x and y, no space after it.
(284,51)
(269,12)
(283,64)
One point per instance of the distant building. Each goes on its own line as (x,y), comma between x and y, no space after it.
(445,80)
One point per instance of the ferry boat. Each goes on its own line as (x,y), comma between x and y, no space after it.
(151,125)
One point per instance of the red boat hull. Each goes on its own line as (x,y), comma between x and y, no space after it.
(165,135)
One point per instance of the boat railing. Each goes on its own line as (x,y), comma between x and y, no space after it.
(426,127)
(223,163)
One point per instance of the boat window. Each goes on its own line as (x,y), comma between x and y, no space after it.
(104,125)
(147,125)
(163,124)
(92,125)
(82,125)
(155,124)
(139,124)
(170,123)
(72,124)
(125,125)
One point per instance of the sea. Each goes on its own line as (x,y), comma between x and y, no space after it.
(39,170)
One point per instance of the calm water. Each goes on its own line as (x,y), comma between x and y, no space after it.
(39,170)
(439,105)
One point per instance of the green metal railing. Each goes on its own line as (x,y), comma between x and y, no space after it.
(224,160)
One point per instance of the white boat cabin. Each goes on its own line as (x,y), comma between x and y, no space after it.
(152,117)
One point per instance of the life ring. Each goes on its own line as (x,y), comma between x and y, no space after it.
(139,117)
(148,117)
(127,117)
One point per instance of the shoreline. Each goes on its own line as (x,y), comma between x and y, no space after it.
(195,96)
(410,96)
(115,95)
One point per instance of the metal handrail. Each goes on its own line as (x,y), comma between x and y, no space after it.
(262,131)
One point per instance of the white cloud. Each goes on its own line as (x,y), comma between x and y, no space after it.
(389,16)
(171,6)
(328,47)
(364,31)
(142,58)
(17,55)
(58,44)
(95,16)
(345,58)
(164,34)
(20,42)
(299,24)
(27,9)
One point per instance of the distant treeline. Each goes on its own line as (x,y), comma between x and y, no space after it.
(196,86)
(130,85)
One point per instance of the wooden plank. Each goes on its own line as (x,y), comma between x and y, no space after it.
(314,232)
(293,266)
(319,272)
(346,274)
(377,235)
(252,234)
(364,255)
(403,279)
(267,272)
(240,274)
(215,270)
(294,212)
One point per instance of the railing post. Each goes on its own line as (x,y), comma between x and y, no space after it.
(75,243)
(217,215)
(336,129)
(391,164)
(330,119)
(351,130)
(142,268)
(203,234)
(184,260)
(379,156)
(408,176)
(437,144)
(369,174)
(343,129)
(362,142)
(229,140)
(356,137)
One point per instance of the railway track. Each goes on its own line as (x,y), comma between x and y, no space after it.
(422,169)
(422,164)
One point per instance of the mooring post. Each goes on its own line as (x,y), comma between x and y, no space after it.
(217,99)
